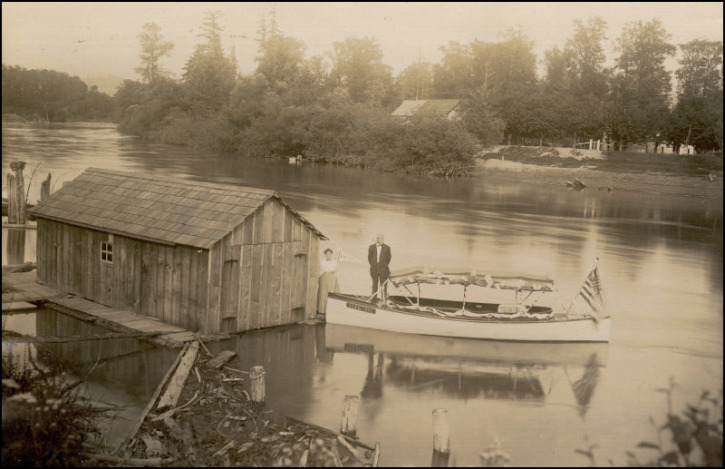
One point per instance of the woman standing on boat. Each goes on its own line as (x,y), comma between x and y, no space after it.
(328,280)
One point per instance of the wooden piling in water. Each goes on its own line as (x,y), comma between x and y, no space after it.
(348,423)
(256,377)
(441,438)
(45,188)
(16,194)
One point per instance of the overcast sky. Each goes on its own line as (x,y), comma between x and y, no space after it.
(90,39)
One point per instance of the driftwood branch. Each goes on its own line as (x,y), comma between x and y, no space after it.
(327,431)
(220,359)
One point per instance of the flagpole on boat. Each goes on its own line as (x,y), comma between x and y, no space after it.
(596,263)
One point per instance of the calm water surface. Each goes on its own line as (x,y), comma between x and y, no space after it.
(660,260)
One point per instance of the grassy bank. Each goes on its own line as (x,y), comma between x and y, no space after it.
(642,181)
(617,162)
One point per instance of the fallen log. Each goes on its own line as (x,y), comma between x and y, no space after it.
(576,184)
(329,432)
(220,359)
(176,384)
(82,338)
(376,455)
(352,450)
(153,399)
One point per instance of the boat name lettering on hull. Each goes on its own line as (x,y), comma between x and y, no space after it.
(365,348)
(362,308)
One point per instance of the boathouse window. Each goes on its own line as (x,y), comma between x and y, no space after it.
(107,251)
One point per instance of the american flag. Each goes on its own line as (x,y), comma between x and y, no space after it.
(591,291)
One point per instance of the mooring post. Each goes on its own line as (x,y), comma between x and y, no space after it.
(256,377)
(348,423)
(16,194)
(441,438)
(45,188)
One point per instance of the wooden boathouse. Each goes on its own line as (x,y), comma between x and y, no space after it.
(206,257)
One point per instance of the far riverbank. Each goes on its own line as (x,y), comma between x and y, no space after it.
(595,179)
(680,175)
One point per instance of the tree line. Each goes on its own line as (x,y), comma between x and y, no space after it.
(52,96)
(336,106)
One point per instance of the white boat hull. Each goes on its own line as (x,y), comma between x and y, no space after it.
(350,311)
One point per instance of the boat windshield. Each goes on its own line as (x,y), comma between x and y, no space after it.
(472,276)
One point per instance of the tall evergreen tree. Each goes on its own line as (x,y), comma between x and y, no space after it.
(209,75)
(153,48)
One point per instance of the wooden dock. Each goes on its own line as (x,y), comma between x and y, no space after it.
(121,321)
(26,289)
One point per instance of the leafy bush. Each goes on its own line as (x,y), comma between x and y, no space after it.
(46,422)
(695,436)
(183,129)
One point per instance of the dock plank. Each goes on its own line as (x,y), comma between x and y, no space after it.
(27,289)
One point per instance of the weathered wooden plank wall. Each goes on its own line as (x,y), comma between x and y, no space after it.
(166,282)
(264,274)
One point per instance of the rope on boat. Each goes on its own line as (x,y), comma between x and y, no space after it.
(466,313)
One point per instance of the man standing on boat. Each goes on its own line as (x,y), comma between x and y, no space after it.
(379,258)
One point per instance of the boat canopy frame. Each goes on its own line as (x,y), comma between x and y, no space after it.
(528,284)
(473,276)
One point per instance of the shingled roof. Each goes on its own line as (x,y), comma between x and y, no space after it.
(438,108)
(164,210)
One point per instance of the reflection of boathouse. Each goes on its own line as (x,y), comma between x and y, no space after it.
(205,257)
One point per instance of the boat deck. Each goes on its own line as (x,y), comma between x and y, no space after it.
(400,304)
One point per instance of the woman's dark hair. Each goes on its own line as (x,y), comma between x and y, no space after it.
(328,249)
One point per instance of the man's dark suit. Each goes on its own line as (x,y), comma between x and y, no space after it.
(379,270)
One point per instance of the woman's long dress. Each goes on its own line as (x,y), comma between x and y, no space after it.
(328,284)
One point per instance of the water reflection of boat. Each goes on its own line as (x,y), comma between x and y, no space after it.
(468,368)
(357,339)
(521,319)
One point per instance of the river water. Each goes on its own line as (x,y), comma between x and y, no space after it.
(660,262)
